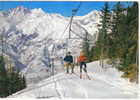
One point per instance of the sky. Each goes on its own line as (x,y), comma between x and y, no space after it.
(62,7)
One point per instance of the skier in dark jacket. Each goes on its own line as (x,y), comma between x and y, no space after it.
(69,62)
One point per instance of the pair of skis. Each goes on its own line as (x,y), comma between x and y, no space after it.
(88,77)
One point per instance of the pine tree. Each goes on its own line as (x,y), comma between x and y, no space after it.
(3,78)
(124,38)
(103,31)
(129,63)
(17,82)
(86,47)
(10,80)
(121,43)
(116,27)
(23,82)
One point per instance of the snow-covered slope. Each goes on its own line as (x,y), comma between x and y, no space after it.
(104,83)
(29,35)
(90,21)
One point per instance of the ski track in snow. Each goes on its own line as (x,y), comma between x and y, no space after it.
(103,84)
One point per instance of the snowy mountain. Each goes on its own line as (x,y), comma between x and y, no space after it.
(90,21)
(30,35)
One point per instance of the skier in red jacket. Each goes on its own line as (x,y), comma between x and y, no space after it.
(82,61)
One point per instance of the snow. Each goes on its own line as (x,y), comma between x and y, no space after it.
(38,10)
(85,21)
(30,37)
(104,83)
(29,33)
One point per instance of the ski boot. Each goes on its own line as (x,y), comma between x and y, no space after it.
(72,71)
(80,76)
(88,77)
(67,72)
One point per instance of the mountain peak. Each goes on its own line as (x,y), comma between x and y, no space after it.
(38,10)
(93,13)
(20,10)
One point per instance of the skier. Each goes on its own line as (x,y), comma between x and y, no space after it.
(69,62)
(82,61)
